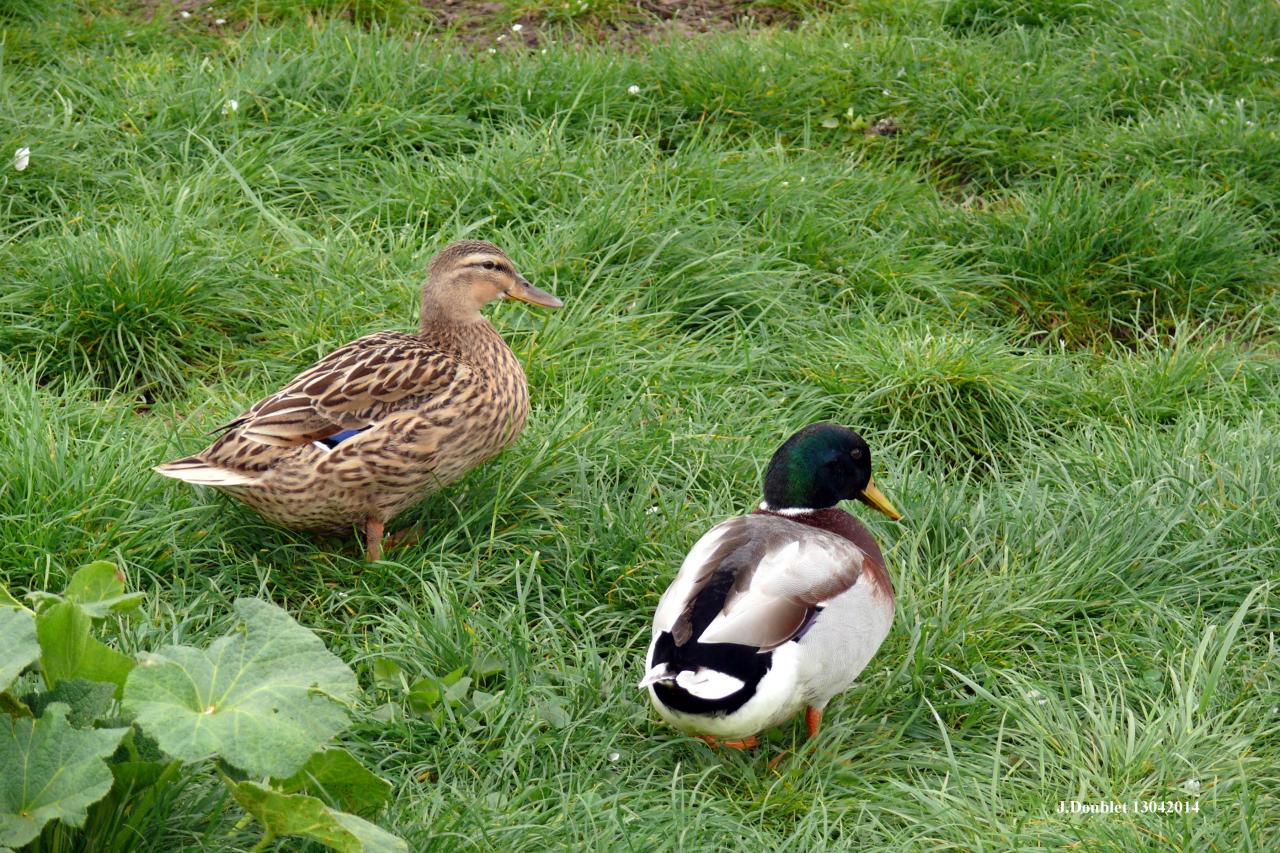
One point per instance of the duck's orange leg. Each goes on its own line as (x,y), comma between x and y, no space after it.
(812,720)
(373,539)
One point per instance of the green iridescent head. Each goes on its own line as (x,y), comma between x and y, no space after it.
(820,466)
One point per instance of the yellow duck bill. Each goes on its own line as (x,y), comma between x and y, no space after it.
(874,498)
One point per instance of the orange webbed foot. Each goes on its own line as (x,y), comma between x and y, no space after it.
(749,742)
(405,537)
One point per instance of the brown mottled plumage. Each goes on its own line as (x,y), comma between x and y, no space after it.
(380,423)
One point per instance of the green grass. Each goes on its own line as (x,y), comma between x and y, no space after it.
(1049,303)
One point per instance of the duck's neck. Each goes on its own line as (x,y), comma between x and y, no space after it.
(447,312)
(453,334)
(835,520)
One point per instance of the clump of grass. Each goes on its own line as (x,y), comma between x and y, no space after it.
(135,306)
(1090,263)
(960,395)
(1160,381)
(74,478)
(966,16)
(1207,144)
(31,10)
(384,12)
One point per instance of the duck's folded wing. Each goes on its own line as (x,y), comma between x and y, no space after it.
(353,387)
(777,571)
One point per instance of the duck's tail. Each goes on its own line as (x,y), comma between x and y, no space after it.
(199,472)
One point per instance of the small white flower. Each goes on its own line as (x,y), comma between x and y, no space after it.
(845,45)
(544,50)
(515,28)
(184,14)
(493,50)
(633,89)
(1191,786)
(653,510)
(1037,697)
(230,106)
(21,158)
(614,756)
(219,21)
(885,92)
(502,37)
(786,183)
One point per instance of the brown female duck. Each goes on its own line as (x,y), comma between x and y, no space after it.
(379,424)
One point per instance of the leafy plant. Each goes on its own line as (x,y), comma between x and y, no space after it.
(439,698)
(88,724)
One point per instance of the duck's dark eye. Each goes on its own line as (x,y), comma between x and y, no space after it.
(856,453)
(490,265)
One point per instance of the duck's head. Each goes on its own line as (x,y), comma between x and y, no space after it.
(820,466)
(466,275)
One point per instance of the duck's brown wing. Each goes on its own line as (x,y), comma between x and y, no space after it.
(353,387)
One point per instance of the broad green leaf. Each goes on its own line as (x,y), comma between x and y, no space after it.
(68,651)
(137,744)
(7,599)
(13,706)
(99,589)
(339,776)
(424,694)
(457,691)
(298,814)
(386,673)
(51,772)
(486,665)
(87,700)
(553,713)
(263,698)
(136,775)
(18,645)
(387,712)
(484,702)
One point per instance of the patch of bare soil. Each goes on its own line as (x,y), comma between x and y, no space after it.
(489,24)
(644,21)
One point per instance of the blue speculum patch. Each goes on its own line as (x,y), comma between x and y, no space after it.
(337,438)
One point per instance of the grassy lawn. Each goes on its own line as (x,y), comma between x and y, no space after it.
(1029,248)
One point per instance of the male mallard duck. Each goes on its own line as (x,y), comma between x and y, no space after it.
(380,423)
(780,609)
